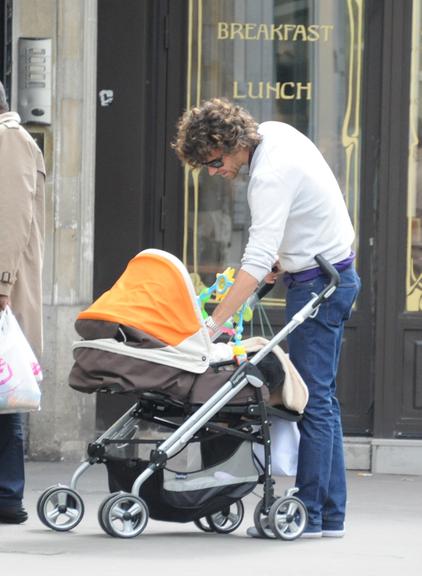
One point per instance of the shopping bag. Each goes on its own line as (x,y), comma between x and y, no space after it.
(285,439)
(20,371)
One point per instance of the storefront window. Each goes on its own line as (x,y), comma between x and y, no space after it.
(414,205)
(296,62)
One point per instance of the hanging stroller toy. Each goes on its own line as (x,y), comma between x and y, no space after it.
(233,327)
(184,451)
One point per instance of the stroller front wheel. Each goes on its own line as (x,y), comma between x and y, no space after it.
(123,515)
(261,521)
(228,519)
(288,518)
(60,508)
(42,499)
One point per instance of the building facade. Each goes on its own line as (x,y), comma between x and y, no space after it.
(348,73)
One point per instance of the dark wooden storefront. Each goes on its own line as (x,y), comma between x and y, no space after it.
(142,71)
(141,53)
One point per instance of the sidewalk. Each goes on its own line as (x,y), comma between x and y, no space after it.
(384,535)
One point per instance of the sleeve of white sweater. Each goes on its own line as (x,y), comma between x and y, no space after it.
(269,200)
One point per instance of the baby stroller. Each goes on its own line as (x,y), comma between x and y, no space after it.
(146,337)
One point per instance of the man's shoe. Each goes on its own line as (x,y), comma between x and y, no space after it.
(13,515)
(334,533)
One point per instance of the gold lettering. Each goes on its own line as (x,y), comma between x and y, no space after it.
(307,88)
(223,31)
(236,29)
(267,91)
(263,32)
(260,94)
(326,28)
(300,32)
(249,30)
(283,91)
(313,34)
(276,31)
(287,29)
(236,94)
(272,89)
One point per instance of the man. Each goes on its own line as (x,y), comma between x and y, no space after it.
(22,176)
(297,211)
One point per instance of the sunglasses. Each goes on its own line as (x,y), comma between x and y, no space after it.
(216,163)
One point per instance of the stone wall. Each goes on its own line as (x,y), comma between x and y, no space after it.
(67,419)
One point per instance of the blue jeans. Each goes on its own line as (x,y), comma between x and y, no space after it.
(314,349)
(12,475)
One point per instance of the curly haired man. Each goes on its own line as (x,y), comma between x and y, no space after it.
(297,211)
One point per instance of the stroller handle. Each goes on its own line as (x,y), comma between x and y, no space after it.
(261,292)
(333,276)
(264,290)
(328,270)
(259,295)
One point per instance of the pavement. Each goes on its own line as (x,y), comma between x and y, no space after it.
(383,536)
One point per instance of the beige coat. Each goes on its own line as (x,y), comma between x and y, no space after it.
(22,179)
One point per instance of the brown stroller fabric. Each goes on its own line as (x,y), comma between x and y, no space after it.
(96,370)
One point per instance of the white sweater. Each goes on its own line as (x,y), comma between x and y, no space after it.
(296,205)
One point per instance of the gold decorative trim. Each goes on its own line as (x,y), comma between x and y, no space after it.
(189,173)
(413,281)
(351,129)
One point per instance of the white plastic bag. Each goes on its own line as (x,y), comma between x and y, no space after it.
(20,371)
(285,439)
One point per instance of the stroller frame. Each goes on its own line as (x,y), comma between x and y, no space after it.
(283,518)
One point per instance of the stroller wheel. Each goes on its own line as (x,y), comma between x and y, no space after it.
(60,508)
(202,524)
(42,499)
(100,515)
(261,521)
(123,515)
(228,519)
(288,518)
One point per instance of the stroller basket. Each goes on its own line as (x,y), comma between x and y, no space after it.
(176,493)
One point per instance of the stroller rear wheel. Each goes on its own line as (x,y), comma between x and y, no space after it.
(228,519)
(60,508)
(123,515)
(202,524)
(288,518)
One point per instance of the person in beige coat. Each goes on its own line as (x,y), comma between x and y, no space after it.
(22,178)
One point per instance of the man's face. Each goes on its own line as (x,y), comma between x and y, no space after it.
(231,163)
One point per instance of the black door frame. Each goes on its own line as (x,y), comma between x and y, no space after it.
(136,202)
(397,415)
(6,16)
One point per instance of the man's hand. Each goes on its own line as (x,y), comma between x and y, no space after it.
(272,276)
(4,301)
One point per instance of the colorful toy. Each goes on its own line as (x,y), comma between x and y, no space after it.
(235,326)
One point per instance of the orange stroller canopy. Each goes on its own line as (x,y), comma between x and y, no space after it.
(154,294)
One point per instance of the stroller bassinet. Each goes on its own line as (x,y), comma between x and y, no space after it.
(146,335)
